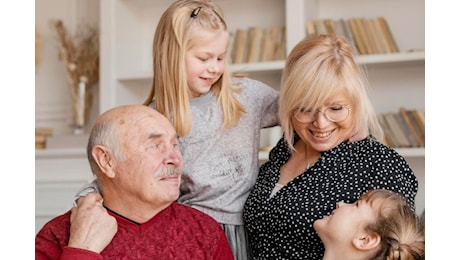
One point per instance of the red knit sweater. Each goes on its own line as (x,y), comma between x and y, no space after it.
(178,232)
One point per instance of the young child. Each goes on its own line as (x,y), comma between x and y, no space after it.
(380,225)
(218,117)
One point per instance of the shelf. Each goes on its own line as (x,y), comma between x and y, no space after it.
(374,59)
(392,58)
(63,146)
(411,152)
(53,153)
(257,66)
(406,152)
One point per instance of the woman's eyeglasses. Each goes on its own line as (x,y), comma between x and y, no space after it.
(334,114)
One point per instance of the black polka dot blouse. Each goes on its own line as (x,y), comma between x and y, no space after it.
(281,227)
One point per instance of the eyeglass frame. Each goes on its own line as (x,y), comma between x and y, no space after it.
(324,113)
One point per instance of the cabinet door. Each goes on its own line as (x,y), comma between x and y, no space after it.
(57,180)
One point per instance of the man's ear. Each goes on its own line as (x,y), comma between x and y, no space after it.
(367,241)
(104,160)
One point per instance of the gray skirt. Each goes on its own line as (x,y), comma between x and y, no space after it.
(238,240)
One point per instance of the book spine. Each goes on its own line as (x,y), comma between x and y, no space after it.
(240,46)
(357,35)
(390,139)
(254,44)
(280,51)
(396,129)
(349,34)
(380,36)
(364,35)
(310,27)
(407,129)
(388,36)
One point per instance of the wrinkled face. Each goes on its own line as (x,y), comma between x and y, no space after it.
(321,134)
(152,167)
(346,222)
(205,61)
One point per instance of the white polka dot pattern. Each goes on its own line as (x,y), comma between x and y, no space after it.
(282,227)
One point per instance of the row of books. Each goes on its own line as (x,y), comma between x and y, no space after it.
(256,44)
(40,137)
(367,35)
(405,128)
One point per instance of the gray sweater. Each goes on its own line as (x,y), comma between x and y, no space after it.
(221,165)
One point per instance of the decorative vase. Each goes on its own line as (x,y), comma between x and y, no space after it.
(81,105)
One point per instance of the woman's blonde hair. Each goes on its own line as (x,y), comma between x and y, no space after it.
(402,234)
(175,34)
(318,68)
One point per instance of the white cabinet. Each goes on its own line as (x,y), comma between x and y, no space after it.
(59,174)
(127,28)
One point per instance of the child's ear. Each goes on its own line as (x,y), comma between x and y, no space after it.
(367,241)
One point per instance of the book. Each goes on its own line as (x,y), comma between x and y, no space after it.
(390,140)
(40,138)
(388,35)
(43,131)
(376,40)
(231,43)
(349,34)
(419,116)
(270,41)
(240,46)
(280,50)
(310,27)
(41,134)
(254,40)
(358,39)
(418,124)
(407,129)
(329,25)
(383,45)
(414,131)
(320,27)
(365,35)
(402,140)
(370,36)
(40,145)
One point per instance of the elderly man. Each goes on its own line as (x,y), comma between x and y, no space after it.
(134,153)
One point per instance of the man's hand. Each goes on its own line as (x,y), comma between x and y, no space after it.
(91,227)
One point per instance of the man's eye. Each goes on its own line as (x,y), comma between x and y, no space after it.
(155,146)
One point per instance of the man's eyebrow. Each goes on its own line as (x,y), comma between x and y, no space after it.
(155,136)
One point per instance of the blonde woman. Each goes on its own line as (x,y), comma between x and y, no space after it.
(323,102)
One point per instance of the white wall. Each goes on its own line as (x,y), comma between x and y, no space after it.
(52,96)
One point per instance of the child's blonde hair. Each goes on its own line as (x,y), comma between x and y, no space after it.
(176,33)
(401,231)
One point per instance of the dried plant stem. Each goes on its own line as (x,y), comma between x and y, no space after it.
(80,55)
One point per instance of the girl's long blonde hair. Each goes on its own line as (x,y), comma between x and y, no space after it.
(176,32)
